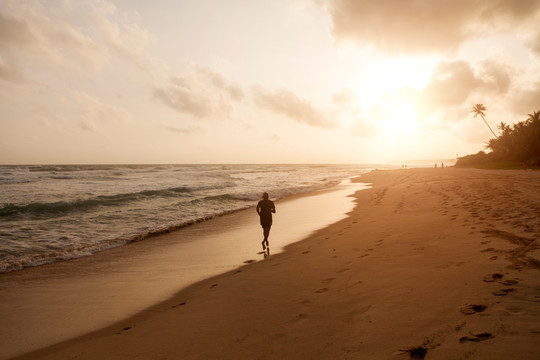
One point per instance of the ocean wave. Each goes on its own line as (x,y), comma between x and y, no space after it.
(13,263)
(59,208)
(61,177)
(106,206)
(9,180)
(68,168)
(225,197)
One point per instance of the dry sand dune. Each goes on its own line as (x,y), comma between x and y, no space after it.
(432,263)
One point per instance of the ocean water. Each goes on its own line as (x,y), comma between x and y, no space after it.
(55,213)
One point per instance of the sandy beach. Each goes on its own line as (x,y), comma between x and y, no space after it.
(49,304)
(430,263)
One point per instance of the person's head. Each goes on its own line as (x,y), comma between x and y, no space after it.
(265,196)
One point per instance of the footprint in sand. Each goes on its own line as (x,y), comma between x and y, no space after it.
(502,292)
(492,277)
(127,328)
(298,318)
(328,280)
(322,290)
(476,337)
(473,309)
(177,305)
(416,352)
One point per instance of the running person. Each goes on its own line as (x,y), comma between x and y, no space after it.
(265,208)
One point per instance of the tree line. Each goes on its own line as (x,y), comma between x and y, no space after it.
(517,145)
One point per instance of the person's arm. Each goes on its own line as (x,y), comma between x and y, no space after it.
(273,209)
(259,208)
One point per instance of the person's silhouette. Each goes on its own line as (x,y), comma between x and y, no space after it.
(265,208)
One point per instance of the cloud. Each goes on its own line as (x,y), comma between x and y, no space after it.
(285,102)
(496,76)
(184,131)
(365,127)
(126,40)
(534,44)
(424,26)
(14,30)
(233,91)
(525,101)
(452,89)
(92,111)
(42,120)
(8,72)
(345,99)
(202,94)
(33,39)
(361,123)
(62,40)
(453,83)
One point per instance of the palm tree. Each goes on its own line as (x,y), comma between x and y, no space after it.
(479,109)
(534,117)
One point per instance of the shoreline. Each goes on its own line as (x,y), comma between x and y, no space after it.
(55,302)
(440,263)
(50,215)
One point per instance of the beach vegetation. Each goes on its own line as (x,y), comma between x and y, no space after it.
(517,146)
(479,110)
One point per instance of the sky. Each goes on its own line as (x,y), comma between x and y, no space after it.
(261,81)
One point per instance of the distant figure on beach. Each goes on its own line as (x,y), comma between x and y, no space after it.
(265,208)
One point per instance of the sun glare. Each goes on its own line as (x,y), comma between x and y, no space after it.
(398,119)
(386,76)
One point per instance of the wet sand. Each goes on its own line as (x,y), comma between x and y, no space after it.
(431,263)
(45,305)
